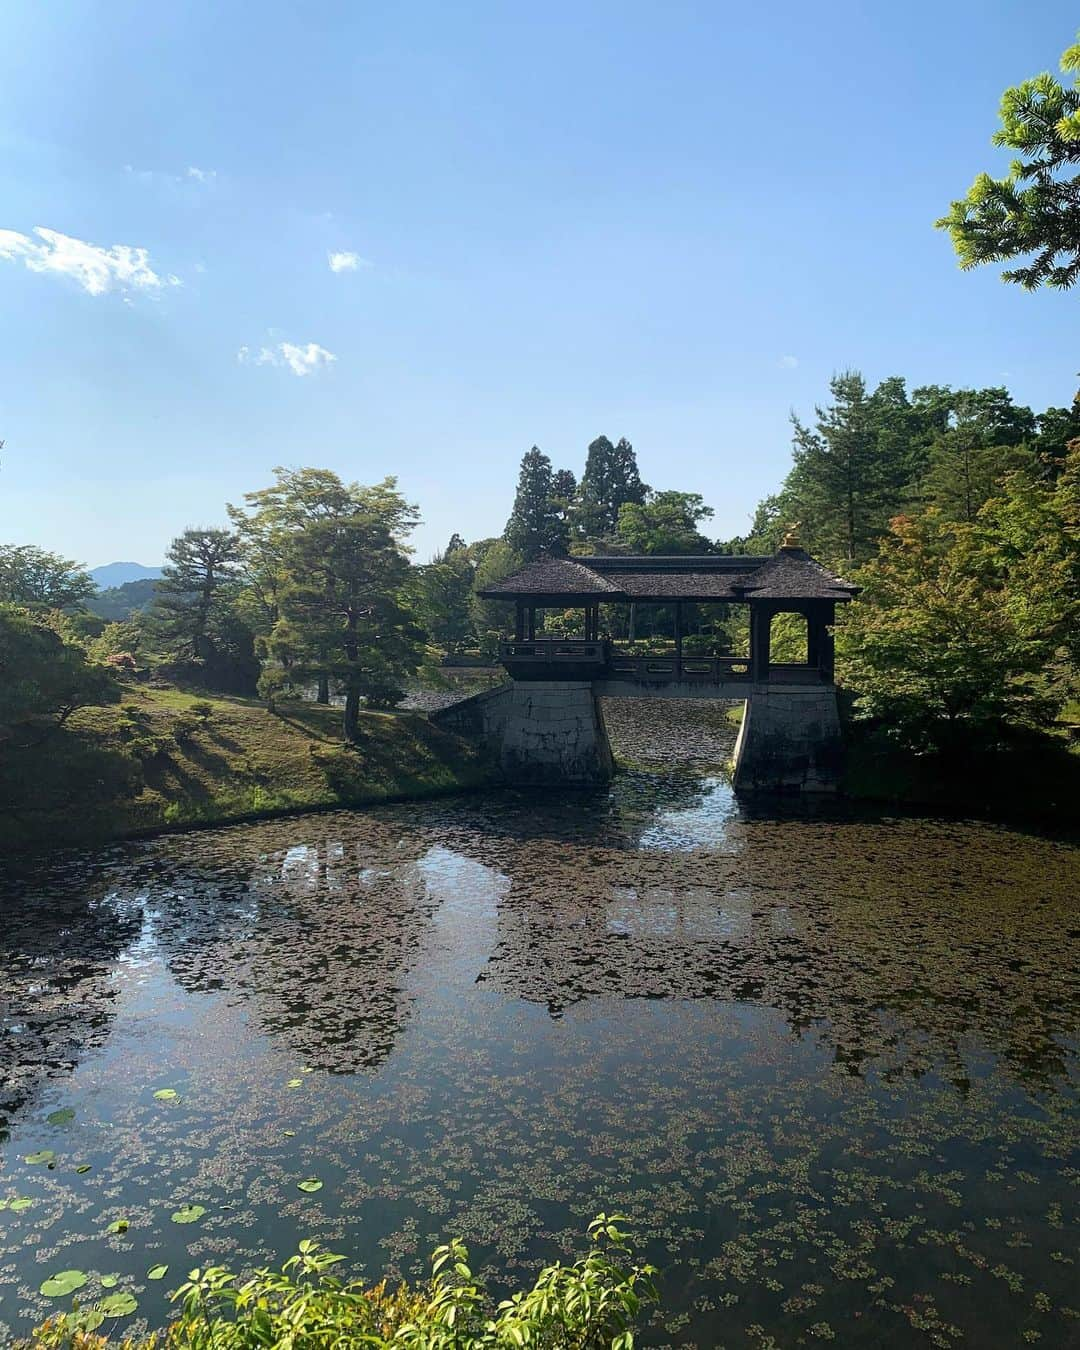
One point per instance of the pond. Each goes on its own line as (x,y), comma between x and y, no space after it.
(826,1064)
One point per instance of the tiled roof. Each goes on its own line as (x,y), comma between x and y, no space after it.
(553,576)
(790,574)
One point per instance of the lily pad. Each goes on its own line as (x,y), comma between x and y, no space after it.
(295,1083)
(188,1214)
(60,1117)
(110,1281)
(157,1272)
(43,1155)
(311,1184)
(20,1203)
(63,1283)
(118,1226)
(82,1167)
(118,1305)
(167,1095)
(288,1133)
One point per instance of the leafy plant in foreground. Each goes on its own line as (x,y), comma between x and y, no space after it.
(592,1303)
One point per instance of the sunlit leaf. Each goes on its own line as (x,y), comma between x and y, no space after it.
(156,1272)
(188,1214)
(167,1095)
(118,1305)
(63,1283)
(311,1185)
(60,1117)
(44,1155)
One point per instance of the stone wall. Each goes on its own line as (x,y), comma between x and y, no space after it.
(542,732)
(790,740)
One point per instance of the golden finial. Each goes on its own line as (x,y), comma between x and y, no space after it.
(791,536)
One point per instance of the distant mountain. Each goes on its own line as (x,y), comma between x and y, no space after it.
(117,573)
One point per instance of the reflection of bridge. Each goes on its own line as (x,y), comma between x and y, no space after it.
(546,724)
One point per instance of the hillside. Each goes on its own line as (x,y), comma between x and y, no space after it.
(165,758)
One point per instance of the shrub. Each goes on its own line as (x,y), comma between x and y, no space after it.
(203,709)
(592,1303)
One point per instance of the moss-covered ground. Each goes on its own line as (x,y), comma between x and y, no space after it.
(166,758)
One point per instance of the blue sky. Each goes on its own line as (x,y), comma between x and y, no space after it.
(671,222)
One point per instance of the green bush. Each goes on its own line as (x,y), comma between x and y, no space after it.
(590,1304)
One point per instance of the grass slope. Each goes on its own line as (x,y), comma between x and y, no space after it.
(166,758)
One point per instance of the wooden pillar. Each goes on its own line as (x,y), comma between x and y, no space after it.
(760,620)
(815,633)
(519,621)
(530,628)
(678,637)
(633,621)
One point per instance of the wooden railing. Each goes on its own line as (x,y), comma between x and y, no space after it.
(555,650)
(604,661)
(682,669)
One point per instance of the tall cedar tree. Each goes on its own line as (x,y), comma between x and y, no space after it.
(345,609)
(536,525)
(1032,212)
(611,480)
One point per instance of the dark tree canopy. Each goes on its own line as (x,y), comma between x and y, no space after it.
(611,479)
(536,524)
(1034,211)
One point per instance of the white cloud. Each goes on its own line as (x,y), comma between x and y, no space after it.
(96,269)
(788,362)
(163,178)
(300,360)
(346,261)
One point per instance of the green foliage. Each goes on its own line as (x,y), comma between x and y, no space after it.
(121,602)
(665,523)
(592,1303)
(536,523)
(610,481)
(36,579)
(331,569)
(1032,212)
(959,625)
(44,677)
(195,616)
(496,559)
(444,598)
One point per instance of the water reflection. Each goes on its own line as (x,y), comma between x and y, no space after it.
(823,1064)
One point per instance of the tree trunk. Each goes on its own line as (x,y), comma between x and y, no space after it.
(323,696)
(351,716)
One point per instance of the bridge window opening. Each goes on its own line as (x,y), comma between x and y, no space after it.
(789,640)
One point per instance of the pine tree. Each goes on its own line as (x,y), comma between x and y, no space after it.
(202,565)
(1033,210)
(535,525)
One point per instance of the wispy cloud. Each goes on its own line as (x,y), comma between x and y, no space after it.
(345,261)
(164,177)
(788,362)
(96,269)
(301,360)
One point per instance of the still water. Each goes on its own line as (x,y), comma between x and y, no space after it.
(827,1066)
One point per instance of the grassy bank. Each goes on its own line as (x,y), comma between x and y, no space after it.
(165,758)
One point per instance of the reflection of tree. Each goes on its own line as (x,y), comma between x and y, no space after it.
(907,945)
(317,939)
(57,950)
